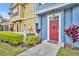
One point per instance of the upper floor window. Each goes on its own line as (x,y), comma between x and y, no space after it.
(15,12)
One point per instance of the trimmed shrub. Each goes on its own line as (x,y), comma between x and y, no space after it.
(11,38)
(32,40)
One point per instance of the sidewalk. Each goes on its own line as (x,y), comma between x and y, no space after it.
(43,49)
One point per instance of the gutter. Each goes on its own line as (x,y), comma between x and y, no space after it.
(53,8)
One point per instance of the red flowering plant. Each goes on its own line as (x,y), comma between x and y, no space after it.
(73,32)
(38,30)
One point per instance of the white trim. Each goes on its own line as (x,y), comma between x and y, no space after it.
(60,27)
(52,8)
(29,17)
(17,19)
(48,27)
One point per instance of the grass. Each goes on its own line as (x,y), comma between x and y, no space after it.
(67,52)
(9,50)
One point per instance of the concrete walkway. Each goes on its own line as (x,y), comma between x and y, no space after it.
(43,49)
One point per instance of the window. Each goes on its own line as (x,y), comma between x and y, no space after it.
(53,17)
(15,12)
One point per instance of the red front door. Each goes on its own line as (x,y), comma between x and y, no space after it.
(54,30)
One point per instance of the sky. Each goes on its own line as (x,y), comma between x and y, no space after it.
(4,9)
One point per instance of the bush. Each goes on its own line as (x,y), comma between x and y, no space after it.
(32,40)
(11,38)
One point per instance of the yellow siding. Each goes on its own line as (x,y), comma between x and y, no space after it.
(29,25)
(29,17)
(21,14)
(36,19)
(29,10)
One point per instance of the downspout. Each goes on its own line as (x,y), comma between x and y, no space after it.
(71,24)
(41,26)
(64,27)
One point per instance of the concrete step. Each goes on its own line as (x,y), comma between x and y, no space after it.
(51,43)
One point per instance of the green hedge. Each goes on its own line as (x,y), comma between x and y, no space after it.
(32,40)
(11,38)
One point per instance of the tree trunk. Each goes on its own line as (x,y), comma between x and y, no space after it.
(72,44)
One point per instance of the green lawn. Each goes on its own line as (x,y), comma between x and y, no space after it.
(9,50)
(67,52)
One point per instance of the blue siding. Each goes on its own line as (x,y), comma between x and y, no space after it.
(67,40)
(45,6)
(62,25)
(76,44)
(76,15)
(69,16)
(43,26)
(68,22)
(76,20)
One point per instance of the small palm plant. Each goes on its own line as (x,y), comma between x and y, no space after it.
(73,33)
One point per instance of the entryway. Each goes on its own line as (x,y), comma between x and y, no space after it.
(54,28)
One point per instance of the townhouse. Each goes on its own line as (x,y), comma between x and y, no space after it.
(54,18)
(4,24)
(23,18)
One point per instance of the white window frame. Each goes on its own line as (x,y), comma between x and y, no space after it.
(23,27)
